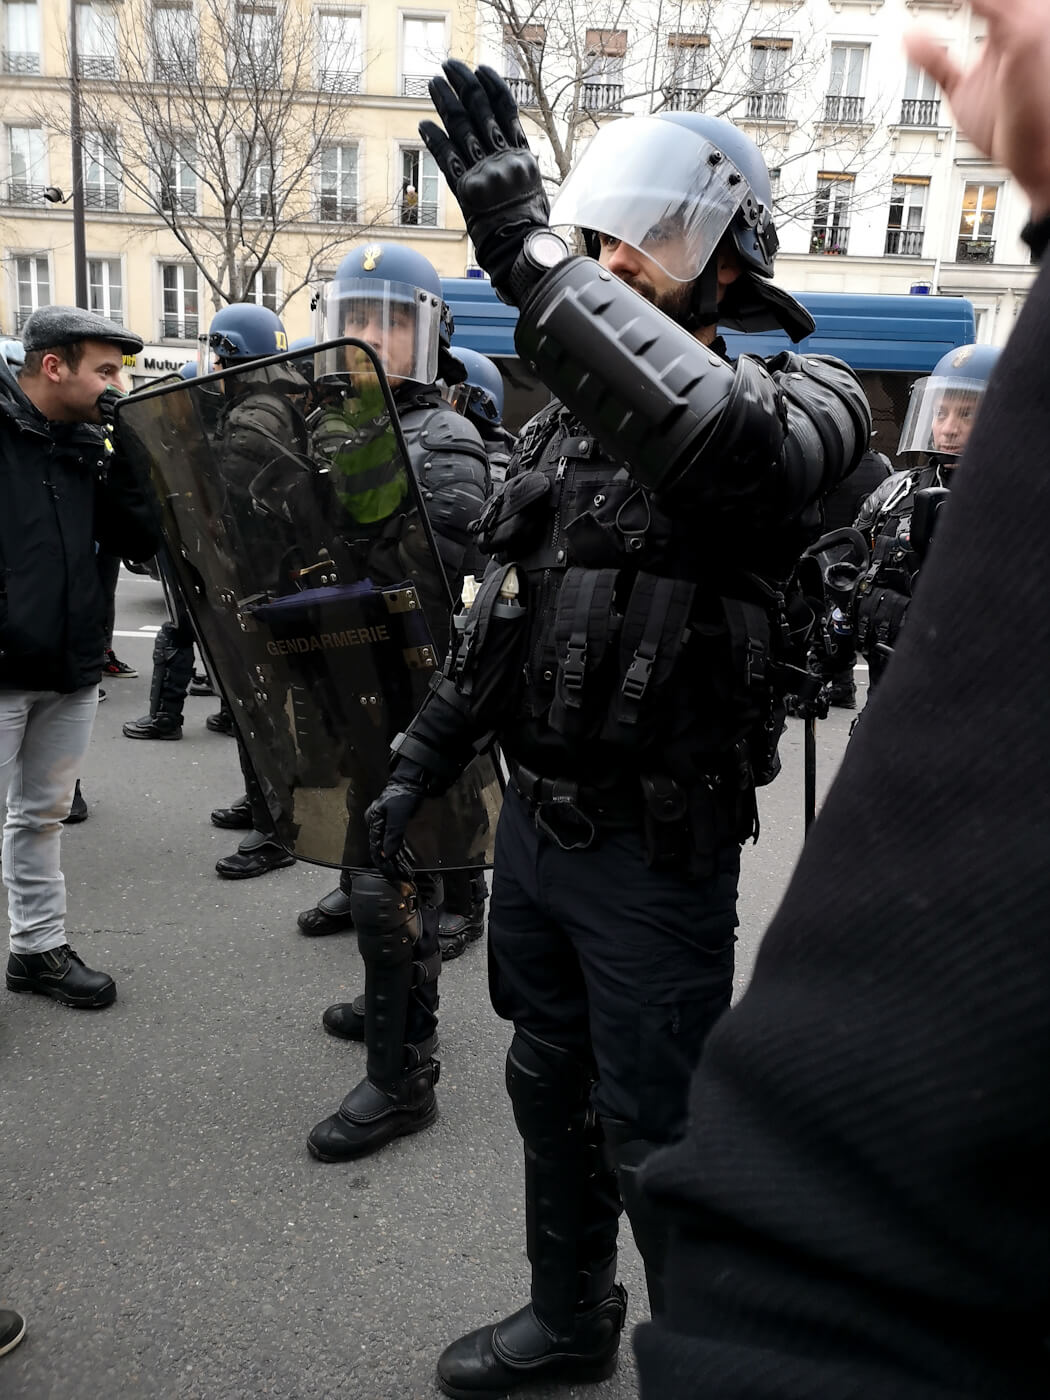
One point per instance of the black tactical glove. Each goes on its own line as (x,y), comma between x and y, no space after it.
(488,165)
(388,818)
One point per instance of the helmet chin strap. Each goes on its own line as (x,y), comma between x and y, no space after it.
(703,302)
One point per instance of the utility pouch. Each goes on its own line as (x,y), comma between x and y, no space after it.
(665,814)
(586,624)
(655,624)
(512,523)
(620,526)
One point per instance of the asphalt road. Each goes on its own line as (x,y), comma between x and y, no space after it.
(163,1227)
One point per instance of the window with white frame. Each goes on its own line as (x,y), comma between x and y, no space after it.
(977,223)
(521,48)
(844,103)
(262,288)
(687,72)
(179,318)
(177,175)
(101,170)
(96,41)
(424,48)
(106,289)
(922,104)
(259,177)
(831,212)
(604,54)
(907,219)
(174,43)
(21,48)
(339,51)
(256,57)
(32,286)
(338,184)
(767,96)
(420,185)
(25,164)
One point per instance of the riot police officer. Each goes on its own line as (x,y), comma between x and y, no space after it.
(941,414)
(622,650)
(480,398)
(255,420)
(375,288)
(390,297)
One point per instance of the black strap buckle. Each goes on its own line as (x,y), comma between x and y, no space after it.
(636,679)
(574,667)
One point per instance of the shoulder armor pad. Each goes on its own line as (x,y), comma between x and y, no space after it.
(447,431)
(825,392)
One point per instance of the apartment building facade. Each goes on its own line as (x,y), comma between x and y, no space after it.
(356,93)
(876,190)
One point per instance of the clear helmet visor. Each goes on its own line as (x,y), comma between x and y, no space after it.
(941,414)
(657,186)
(401,323)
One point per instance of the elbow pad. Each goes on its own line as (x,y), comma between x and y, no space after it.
(829,422)
(653,396)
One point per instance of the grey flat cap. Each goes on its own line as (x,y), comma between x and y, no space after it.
(65,325)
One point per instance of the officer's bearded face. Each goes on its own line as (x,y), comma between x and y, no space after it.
(390,330)
(953,421)
(645,276)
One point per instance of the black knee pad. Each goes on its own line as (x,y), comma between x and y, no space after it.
(549,1088)
(386,916)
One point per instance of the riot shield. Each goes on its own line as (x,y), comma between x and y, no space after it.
(302,547)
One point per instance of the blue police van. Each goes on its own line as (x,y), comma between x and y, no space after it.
(890,341)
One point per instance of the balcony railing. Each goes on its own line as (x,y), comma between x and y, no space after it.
(414,85)
(522,91)
(175,70)
(182,201)
(904,242)
(684,99)
(97,65)
(20,63)
(601,97)
(178,328)
(339,80)
(333,210)
(21,192)
(843,111)
(767,106)
(833,240)
(258,206)
(920,111)
(413,212)
(101,197)
(980,250)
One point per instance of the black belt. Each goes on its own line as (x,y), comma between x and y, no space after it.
(573,815)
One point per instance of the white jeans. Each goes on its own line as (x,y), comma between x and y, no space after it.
(43,739)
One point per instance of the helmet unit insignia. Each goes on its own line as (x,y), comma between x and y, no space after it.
(373,253)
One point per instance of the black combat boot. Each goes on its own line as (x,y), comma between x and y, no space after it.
(236,817)
(843,694)
(329,915)
(221,722)
(463,913)
(370,1116)
(60,974)
(159,726)
(256,855)
(524,1350)
(346,1019)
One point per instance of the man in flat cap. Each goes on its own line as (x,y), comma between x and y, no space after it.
(61,495)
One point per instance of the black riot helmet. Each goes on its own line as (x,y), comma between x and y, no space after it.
(676,185)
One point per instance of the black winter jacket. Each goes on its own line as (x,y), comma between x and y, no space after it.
(59,496)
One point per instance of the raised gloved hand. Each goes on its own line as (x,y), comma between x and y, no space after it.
(487,162)
(388,818)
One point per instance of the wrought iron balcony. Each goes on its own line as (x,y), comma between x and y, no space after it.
(904,242)
(178,328)
(101,197)
(22,192)
(522,91)
(980,250)
(339,80)
(175,70)
(415,85)
(258,206)
(684,99)
(18,63)
(424,214)
(843,111)
(183,201)
(920,111)
(767,106)
(831,240)
(97,65)
(331,209)
(601,97)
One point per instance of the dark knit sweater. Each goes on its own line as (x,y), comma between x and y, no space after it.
(862,1201)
